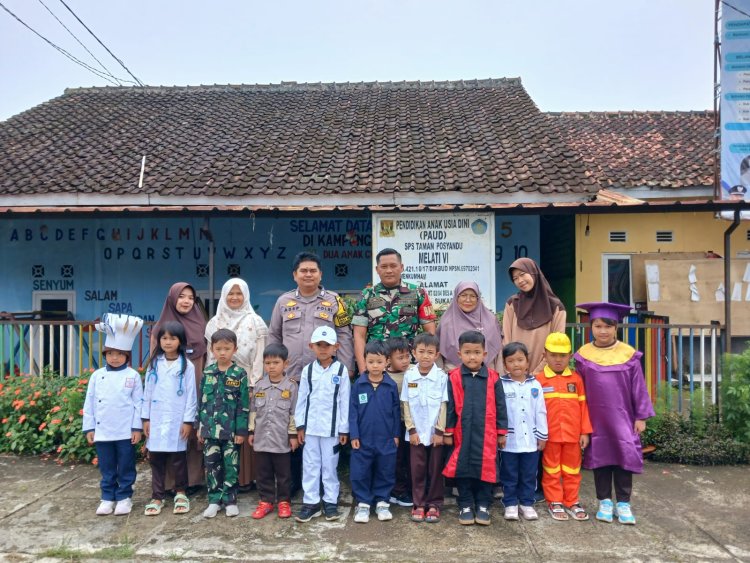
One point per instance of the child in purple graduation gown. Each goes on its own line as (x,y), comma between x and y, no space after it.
(618,407)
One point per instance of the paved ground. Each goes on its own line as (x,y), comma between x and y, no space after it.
(684,514)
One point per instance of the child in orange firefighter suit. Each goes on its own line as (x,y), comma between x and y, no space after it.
(569,429)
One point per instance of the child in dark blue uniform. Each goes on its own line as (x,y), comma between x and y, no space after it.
(374,428)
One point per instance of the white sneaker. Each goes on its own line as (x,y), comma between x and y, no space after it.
(529,513)
(124,506)
(383,510)
(105,507)
(232,510)
(362,513)
(211,511)
(511,512)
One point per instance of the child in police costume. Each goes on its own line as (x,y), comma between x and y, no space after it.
(223,422)
(476,426)
(569,429)
(322,418)
(618,406)
(399,360)
(424,403)
(112,414)
(374,429)
(169,410)
(273,433)
(527,433)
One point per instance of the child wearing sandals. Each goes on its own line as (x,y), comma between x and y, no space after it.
(569,429)
(273,432)
(527,433)
(169,409)
(112,414)
(618,405)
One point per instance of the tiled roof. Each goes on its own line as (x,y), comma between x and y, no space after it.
(658,149)
(317,140)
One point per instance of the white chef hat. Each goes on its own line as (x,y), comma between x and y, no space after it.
(121,331)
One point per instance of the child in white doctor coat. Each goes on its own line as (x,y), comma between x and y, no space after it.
(168,413)
(112,414)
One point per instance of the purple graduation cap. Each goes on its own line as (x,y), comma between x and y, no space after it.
(602,310)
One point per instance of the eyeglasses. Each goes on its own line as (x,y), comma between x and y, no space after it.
(519,276)
(468,296)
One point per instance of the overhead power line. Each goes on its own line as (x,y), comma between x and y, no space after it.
(102,44)
(101,64)
(61,50)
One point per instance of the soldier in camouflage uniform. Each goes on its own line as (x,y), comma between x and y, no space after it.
(392,308)
(223,422)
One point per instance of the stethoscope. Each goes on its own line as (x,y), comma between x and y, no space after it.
(152,374)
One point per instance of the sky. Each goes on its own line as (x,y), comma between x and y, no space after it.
(576,55)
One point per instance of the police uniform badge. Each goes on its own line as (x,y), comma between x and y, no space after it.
(261,395)
(290,304)
(571,387)
(285,394)
(413,385)
(323,315)
(290,316)
(535,392)
(233,383)
(326,304)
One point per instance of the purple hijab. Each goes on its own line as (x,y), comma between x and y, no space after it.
(454,322)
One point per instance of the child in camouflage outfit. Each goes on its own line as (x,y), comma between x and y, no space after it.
(223,422)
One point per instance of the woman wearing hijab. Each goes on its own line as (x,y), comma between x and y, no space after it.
(532,313)
(180,306)
(235,312)
(467,312)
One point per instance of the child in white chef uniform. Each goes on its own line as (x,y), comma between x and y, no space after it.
(169,409)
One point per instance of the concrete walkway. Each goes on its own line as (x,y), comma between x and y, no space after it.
(684,514)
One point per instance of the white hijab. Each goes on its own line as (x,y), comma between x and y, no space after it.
(244,322)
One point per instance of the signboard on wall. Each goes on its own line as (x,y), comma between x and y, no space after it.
(441,249)
(735,100)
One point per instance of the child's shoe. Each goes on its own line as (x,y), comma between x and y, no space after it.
(383,510)
(123,507)
(285,509)
(483,516)
(528,513)
(624,514)
(232,510)
(265,508)
(557,511)
(308,512)
(211,511)
(577,512)
(106,507)
(331,510)
(466,516)
(511,512)
(362,513)
(402,500)
(417,514)
(433,515)
(604,513)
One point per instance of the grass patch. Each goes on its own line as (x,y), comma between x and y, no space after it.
(67,553)
(63,552)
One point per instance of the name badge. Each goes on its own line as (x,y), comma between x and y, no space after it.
(261,394)
(285,394)
(510,395)
(129,382)
(336,379)
(233,382)
(413,385)
(362,398)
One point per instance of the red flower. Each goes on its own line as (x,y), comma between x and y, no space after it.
(42,426)
(95,461)
(55,408)
(55,421)
(19,404)
(37,394)
(59,449)
(80,412)
(32,403)
(8,434)
(22,419)
(18,392)
(83,381)
(5,420)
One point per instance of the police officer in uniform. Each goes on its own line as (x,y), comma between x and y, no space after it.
(296,315)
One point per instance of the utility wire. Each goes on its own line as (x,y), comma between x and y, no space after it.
(735,8)
(101,64)
(102,44)
(60,49)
